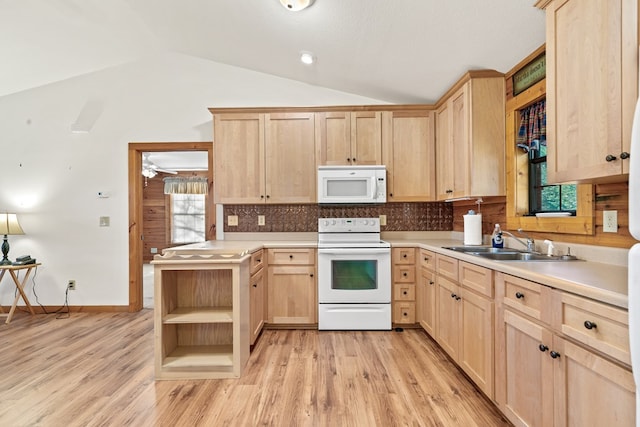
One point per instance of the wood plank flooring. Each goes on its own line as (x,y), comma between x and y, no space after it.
(96,369)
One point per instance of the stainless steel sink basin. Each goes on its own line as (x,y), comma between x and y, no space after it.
(480,249)
(518,256)
(506,254)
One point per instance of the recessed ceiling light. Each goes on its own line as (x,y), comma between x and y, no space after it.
(307,58)
(296,5)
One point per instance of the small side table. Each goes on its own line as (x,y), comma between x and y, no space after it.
(19,285)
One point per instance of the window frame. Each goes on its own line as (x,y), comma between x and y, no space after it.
(517,172)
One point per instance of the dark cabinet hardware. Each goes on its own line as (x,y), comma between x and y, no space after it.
(624,155)
(519,295)
(610,158)
(255,285)
(543,347)
(404,292)
(590,325)
(554,354)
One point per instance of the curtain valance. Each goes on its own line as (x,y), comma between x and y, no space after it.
(186,185)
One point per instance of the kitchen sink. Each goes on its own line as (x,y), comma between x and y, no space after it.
(480,249)
(506,254)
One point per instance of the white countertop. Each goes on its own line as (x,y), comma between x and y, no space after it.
(603,282)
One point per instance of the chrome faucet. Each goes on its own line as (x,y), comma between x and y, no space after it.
(530,244)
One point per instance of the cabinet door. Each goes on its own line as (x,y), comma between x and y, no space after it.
(292,295)
(476,348)
(444,153)
(256,298)
(590,390)
(409,154)
(592,74)
(448,316)
(459,161)
(366,138)
(426,301)
(239,158)
(524,373)
(290,158)
(333,132)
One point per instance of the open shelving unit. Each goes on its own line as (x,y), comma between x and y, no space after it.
(201,317)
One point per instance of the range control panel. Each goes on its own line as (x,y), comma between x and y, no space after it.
(349,225)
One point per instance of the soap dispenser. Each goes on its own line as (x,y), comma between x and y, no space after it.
(496,238)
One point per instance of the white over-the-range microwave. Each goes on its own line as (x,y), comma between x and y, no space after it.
(352,184)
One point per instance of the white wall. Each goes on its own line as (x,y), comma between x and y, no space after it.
(50,177)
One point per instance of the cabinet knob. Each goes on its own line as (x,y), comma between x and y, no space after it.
(431,282)
(453,295)
(458,298)
(624,155)
(354,160)
(404,292)
(268,196)
(590,325)
(426,258)
(262,196)
(405,314)
(290,256)
(404,274)
(311,275)
(610,158)
(449,191)
(348,160)
(390,194)
(258,260)
(404,255)
(554,354)
(543,347)
(255,285)
(519,295)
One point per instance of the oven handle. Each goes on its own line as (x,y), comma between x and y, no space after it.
(354,251)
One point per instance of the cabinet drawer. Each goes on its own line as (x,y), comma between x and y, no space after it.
(403,255)
(447,267)
(530,298)
(257,261)
(404,312)
(404,292)
(476,278)
(427,259)
(292,256)
(597,325)
(404,274)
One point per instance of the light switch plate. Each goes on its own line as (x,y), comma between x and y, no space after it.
(610,222)
(105,221)
(261,220)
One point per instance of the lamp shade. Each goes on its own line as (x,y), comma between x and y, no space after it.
(9,224)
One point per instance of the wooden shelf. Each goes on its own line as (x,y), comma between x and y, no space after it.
(200,315)
(198,358)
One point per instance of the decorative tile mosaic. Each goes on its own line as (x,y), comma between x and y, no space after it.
(427,216)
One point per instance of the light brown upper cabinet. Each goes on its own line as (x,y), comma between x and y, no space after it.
(592,86)
(349,138)
(408,151)
(470,137)
(264,157)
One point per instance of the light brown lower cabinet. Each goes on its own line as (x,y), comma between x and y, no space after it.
(426,293)
(257,294)
(544,378)
(465,319)
(404,285)
(292,289)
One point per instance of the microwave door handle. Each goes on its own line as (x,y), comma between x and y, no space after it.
(375,188)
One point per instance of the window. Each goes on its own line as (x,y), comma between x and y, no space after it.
(187,218)
(543,197)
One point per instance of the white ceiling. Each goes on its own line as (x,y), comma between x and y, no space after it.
(399,51)
(179,160)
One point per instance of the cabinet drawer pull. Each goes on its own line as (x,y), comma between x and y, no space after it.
(519,295)
(290,256)
(624,155)
(404,292)
(453,295)
(554,354)
(405,313)
(458,298)
(590,325)
(255,285)
(404,255)
(610,158)
(543,347)
(431,282)
(404,274)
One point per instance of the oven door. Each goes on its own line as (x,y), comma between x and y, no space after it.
(354,275)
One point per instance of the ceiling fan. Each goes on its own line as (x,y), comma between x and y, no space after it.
(150,169)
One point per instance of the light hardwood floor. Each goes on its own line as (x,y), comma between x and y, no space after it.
(97,370)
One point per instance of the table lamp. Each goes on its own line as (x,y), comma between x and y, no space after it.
(9,225)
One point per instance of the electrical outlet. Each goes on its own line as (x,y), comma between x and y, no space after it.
(232,220)
(383,220)
(610,222)
(260,219)
(71,285)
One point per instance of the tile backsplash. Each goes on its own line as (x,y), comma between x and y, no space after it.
(427,216)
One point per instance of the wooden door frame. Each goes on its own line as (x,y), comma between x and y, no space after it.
(136,185)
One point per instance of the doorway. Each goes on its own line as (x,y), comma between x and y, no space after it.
(136,214)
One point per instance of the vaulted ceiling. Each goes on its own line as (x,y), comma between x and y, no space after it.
(400,51)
